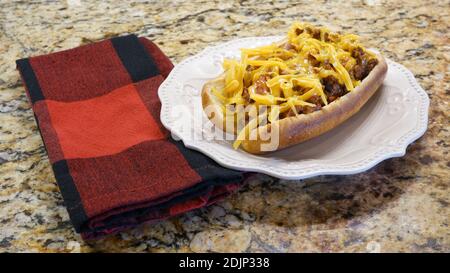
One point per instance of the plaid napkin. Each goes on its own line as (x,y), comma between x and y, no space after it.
(98,110)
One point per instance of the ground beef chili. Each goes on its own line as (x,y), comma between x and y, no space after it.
(316,34)
(288,46)
(312,60)
(326,64)
(261,87)
(364,64)
(332,88)
(317,100)
(331,37)
(246,95)
(300,90)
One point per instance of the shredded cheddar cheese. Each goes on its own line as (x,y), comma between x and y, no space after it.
(290,74)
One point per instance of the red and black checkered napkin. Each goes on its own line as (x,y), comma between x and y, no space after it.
(97,109)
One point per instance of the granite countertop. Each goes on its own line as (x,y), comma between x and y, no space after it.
(400,205)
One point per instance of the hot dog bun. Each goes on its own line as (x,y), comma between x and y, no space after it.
(296,129)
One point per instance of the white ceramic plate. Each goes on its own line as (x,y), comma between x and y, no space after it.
(396,116)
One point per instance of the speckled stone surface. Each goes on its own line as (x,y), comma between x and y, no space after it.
(400,205)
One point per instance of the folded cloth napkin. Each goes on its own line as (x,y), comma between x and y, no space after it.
(97,110)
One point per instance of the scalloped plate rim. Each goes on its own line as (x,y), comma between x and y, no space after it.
(384,152)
